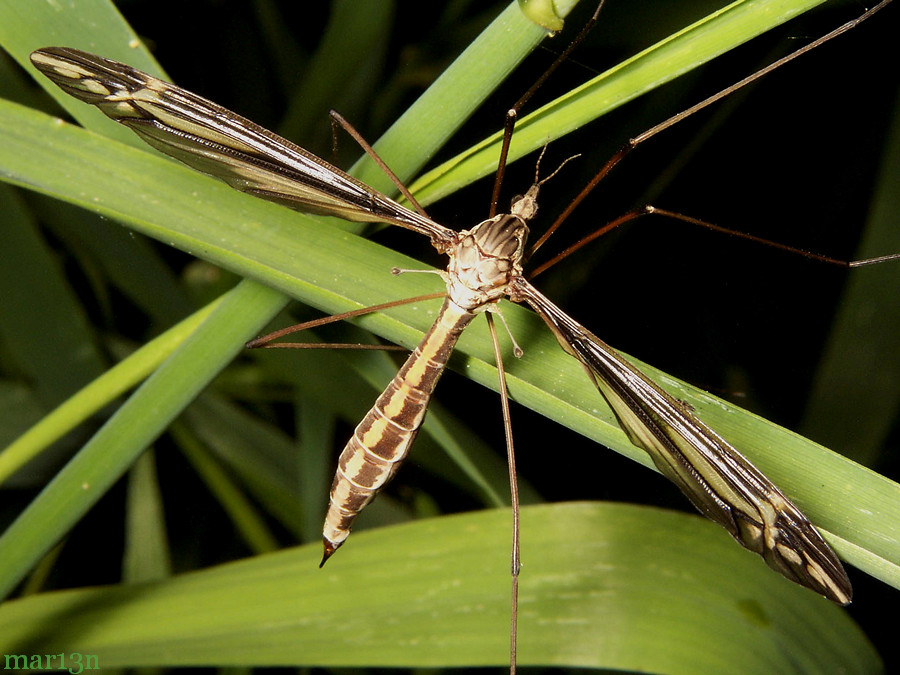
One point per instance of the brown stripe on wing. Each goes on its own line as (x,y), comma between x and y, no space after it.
(720,482)
(222,144)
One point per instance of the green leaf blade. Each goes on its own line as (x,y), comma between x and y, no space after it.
(639,589)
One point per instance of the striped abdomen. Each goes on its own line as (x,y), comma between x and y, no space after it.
(383,438)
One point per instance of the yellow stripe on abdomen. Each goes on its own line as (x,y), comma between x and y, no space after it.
(383,438)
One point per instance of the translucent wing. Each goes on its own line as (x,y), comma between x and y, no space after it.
(720,482)
(218,142)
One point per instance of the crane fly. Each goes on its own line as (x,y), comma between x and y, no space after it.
(485,266)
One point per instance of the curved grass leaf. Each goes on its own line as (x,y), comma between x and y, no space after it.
(639,589)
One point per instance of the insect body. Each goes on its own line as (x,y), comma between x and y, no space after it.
(483,262)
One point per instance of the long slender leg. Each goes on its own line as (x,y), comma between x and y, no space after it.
(515,561)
